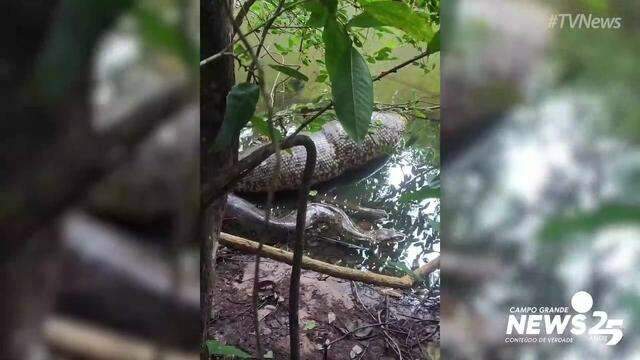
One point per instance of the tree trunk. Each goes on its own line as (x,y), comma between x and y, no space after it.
(216,80)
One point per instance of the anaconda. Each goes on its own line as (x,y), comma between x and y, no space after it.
(337,154)
(251,219)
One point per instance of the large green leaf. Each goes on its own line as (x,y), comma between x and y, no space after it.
(318,13)
(216,348)
(563,227)
(241,105)
(351,83)
(289,71)
(395,14)
(364,20)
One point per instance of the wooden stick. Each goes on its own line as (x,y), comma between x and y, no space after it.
(87,341)
(341,272)
(426,269)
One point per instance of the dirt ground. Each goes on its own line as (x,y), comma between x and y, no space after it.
(359,321)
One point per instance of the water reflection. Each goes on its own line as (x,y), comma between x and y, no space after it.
(404,172)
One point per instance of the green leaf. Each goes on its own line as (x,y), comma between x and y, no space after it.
(241,105)
(434,44)
(431,191)
(310,325)
(351,83)
(262,127)
(364,20)
(331,5)
(289,71)
(281,48)
(318,13)
(215,347)
(590,221)
(395,14)
(321,78)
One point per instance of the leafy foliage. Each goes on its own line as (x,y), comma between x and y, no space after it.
(323,41)
(216,348)
(241,105)
(260,125)
(426,192)
(395,14)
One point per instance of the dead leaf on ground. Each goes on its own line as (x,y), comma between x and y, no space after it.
(266,311)
(331,316)
(355,351)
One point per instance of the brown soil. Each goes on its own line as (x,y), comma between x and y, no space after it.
(411,319)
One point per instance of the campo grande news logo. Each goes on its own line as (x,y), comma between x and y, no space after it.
(556,324)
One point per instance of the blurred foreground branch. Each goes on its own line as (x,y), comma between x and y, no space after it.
(68,170)
(72,337)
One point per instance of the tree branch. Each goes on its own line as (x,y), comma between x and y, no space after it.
(276,15)
(401,65)
(265,32)
(243,12)
(341,272)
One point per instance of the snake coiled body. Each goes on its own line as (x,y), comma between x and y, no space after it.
(337,154)
(249,218)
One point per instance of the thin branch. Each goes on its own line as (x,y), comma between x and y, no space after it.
(243,12)
(315,116)
(276,15)
(401,65)
(215,57)
(291,27)
(265,32)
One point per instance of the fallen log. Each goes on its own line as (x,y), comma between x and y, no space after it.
(72,337)
(341,272)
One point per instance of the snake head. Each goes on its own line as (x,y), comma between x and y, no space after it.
(388,235)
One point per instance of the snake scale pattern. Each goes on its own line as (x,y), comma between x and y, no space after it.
(337,153)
